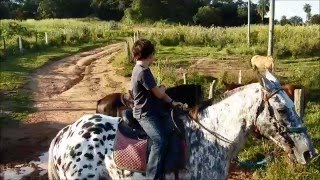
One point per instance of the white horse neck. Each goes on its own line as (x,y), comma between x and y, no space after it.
(231,118)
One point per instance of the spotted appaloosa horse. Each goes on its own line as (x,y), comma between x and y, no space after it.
(215,134)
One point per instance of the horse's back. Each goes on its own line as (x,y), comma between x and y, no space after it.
(79,149)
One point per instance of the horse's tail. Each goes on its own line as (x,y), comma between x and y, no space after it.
(52,173)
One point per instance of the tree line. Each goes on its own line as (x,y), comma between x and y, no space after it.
(198,12)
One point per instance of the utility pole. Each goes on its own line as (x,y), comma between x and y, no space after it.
(271,28)
(249,23)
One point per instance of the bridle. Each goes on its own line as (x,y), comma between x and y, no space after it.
(281,127)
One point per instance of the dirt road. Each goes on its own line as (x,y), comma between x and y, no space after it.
(62,91)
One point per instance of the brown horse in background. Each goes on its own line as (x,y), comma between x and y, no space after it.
(113,104)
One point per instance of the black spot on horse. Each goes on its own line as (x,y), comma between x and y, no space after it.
(86,135)
(88,156)
(91,175)
(106,151)
(80,132)
(58,138)
(79,153)
(72,153)
(65,129)
(78,123)
(98,119)
(95,139)
(77,146)
(97,146)
(99,163)
(80,170)
(87,124)
(78,160)
(89,166)
(74,166)
(109,126)
(68,166)
(90,147)
(95,117)
(59,160)
(95,130)
(102,126)
(101,142)
(104,137)
(101,155)
(111,136)
(85,166)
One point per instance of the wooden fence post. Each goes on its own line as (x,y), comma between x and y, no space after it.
(46,38)
(212,87)
(184,78)
(299,101)
(240,77)
(134,36)
(20,44)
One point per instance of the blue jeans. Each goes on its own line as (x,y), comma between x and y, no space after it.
(158,128)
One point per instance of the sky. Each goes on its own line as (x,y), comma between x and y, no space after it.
(291,8)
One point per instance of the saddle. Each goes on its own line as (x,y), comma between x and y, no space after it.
(132,145)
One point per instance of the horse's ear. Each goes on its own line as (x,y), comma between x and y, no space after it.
(272,77)
(264,82)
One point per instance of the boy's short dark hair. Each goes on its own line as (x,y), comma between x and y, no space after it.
(142,48)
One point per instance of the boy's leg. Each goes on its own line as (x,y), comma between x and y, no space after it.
(156,130)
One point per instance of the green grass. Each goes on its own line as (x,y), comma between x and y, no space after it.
(289,40)
(13,74)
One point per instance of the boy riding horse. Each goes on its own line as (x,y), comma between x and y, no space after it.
(147,98)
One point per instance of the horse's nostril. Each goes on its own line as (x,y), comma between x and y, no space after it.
(307,156)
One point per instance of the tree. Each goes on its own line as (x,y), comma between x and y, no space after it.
(315,19)
(284,21)
(307,9)
(296,20)
(207,16)
(263,8)
(48,9)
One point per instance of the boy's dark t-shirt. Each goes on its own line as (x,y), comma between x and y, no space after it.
(142,81)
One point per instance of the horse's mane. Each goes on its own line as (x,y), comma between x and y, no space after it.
(216,99)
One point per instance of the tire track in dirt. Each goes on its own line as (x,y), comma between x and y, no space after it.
(62,91)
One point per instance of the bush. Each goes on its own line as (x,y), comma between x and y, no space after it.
(207,16)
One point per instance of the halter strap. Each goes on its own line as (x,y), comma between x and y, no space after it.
(217,135)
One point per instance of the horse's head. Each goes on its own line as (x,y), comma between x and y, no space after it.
(278,121)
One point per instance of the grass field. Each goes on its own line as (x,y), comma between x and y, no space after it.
(178,48)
